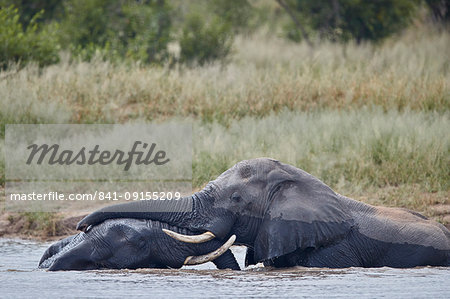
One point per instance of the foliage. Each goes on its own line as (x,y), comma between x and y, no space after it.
(16,43)
(50,9)
(237,13)
(352,19)
(440,10)
(142,30)
(117,29)
(204,41)
(148,25)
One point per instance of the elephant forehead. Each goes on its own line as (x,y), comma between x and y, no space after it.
(400,226)
(245,171)
(258,170)
(257,166)
(259,161)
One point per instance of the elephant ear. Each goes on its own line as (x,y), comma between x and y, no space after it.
(303,213)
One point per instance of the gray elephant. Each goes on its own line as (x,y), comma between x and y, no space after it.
(131,244)
(287,217)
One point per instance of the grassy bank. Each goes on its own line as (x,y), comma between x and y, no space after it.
(371,121)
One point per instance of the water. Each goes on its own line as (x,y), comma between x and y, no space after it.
(20,278)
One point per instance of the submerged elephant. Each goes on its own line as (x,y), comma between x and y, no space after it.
(287,217)
(132,244)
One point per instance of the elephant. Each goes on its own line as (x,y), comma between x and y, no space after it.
(131,244)
(287,217)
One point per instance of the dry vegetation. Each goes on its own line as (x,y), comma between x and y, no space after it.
(265,75)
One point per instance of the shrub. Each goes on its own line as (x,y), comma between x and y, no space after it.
(440,10)
(16,43)
(357,19)
(50,9)
(117,29)
(202,42)
(235,12)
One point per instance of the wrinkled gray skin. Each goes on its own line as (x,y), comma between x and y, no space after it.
(128,244)
(287,217)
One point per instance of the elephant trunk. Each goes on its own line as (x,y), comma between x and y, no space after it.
(174,212)
(193,212)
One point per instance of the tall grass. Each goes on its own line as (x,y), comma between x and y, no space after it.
(394,158)
(349,150)
(352,151)
(265,75)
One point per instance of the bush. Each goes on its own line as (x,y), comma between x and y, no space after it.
(202,42)
(117,29)
(374,20)
(440,10)
(352,19)
(35,43)
(146,31)
(50,9)
(235,12)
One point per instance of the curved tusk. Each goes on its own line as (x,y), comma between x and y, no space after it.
(201,259)
(190,239)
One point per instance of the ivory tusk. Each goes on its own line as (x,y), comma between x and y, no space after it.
(190,239)
(201,259)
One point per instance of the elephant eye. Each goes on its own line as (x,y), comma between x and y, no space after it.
(235,197)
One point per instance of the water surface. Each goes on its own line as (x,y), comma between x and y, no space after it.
(20,277)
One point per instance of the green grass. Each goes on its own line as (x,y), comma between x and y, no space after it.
(384,158)
(41,221)
(348,150)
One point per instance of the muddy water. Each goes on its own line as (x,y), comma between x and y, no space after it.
(20,278)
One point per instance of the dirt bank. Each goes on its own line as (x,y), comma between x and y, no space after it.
(45,226)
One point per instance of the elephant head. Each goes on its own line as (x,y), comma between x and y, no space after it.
(131,244)
(271,207)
